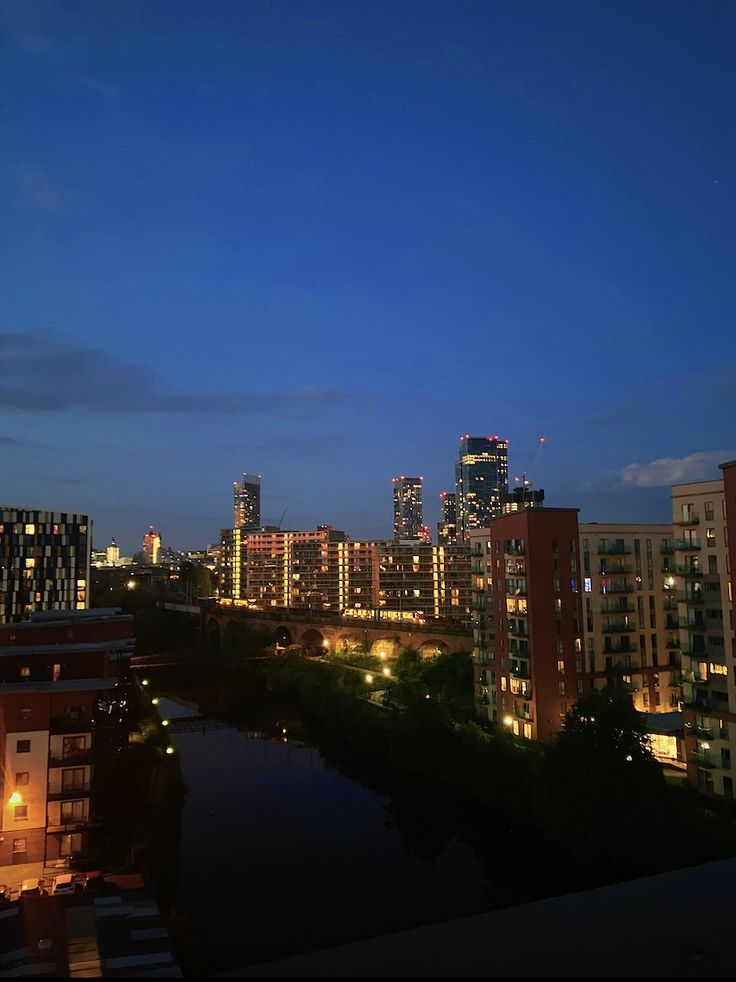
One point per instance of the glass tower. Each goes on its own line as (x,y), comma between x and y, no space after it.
(481,478)
(247,502)
(408,521)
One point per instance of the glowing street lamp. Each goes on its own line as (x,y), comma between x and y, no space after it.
(508,720)
(369,678)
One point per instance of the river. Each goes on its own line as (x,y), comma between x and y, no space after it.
(283,852)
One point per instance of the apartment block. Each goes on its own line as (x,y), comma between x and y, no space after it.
(324,570)
(702,576)
(44,561)
(529,655)
(58,672)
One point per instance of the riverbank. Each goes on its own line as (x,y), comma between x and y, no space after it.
(600,805)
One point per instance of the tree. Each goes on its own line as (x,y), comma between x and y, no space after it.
(600,790)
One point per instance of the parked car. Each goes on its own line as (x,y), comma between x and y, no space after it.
(34,887)
(63,883)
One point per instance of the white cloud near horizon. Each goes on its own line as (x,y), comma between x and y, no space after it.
(676,470)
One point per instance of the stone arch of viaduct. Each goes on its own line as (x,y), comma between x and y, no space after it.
(339,637)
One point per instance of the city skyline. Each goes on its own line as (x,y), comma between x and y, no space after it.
(323,244)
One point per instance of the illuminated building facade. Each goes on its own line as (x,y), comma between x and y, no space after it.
(704,533)
(408,520)
(324,570)
(112,554)
(521,497)
(57,669)
(44,561)
(527,620)
(631,616)
(151,546)
(481,478)
(247,502)
(447,527)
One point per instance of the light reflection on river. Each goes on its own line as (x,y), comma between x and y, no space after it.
(280,853)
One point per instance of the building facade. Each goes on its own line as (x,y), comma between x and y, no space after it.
(527,620)
(481,478)
(702,572)
(151,546)
(44,561)
(57,670)
(447,527)
(247,502)
(324,570)
(408,512)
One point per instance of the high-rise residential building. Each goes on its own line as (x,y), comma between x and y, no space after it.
(702,551)
(481,478)
(151,546)
(247,502)
(527,619)
(630,621)
(447,527)
(408,520)
(58,669)
(44,561)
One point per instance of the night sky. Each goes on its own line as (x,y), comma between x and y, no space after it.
(321,241)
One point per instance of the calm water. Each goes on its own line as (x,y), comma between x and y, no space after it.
(282,853)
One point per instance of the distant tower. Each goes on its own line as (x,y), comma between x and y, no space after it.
(112,553)
(447,528)
(481,477)
(151,545)
(247,502)
(408,521)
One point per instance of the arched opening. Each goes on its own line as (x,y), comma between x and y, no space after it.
(431,648)
(282,639)
(313,642)
(384,648)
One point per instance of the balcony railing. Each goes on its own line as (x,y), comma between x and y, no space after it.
(65,724)
(614,569)
(691,572)
(691,625)
(515,567)
(686,545)
(614,549)
(622,586)
(692,519)
(619,627)
(513,550)
(666,549)
(71,758)
(701,759)
(691,599)
(619,607)
(67,794)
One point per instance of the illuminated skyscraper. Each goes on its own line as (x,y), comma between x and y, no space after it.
(247,502)
(408,521)
(481,478)
(151,545)
(447,528)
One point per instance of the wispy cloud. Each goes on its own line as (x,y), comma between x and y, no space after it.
(42,190)
(51,373)
(676,470)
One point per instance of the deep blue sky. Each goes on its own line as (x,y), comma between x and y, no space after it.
(320,241)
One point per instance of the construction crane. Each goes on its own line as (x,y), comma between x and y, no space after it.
(527,483)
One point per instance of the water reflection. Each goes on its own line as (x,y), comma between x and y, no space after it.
(283,851)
